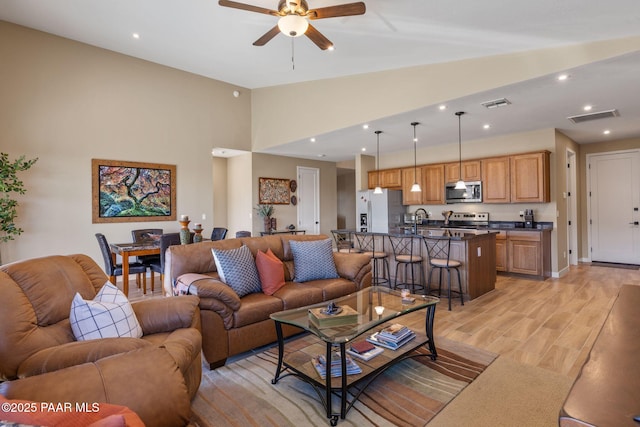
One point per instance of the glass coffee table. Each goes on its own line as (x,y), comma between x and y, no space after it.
(299,361)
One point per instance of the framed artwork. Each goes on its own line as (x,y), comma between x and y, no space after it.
(273,191)
(132,191)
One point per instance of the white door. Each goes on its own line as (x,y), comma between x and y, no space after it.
(309,199)
(614,205)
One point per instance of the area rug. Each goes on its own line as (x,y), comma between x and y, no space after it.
(408,394)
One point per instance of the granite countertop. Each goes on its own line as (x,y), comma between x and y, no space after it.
(493,225)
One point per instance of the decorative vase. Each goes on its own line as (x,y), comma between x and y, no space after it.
(185,234)
(267,224)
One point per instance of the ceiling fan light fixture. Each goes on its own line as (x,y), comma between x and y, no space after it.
(293,25)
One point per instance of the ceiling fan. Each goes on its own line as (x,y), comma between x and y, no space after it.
(294,15)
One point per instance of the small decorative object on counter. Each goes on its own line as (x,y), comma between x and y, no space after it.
(197,229)
(185,234)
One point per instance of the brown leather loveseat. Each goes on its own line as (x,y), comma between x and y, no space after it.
(232,325)
(155,376)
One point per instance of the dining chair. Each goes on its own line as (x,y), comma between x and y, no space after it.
(166,240)
(113,269)
(408,257)
(219,233)
(145,235)
(438,252)
(372,244)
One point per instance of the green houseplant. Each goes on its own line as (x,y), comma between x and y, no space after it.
(9,183)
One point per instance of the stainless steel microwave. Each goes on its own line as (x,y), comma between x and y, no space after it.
(472,192)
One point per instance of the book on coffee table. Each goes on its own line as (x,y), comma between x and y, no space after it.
(320,319)
(367,355)
(378,340)
(319,363)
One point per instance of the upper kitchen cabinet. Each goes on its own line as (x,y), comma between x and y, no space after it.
(496,180)
(389,178)
(520,178)
(433,184)
(530,178)
(471,171)
(408,178)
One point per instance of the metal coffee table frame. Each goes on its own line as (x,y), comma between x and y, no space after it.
(364,302)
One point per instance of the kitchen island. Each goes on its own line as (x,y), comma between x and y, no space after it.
(476,251)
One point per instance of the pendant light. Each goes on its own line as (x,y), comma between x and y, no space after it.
(378,189)
(460,185)
(415,188)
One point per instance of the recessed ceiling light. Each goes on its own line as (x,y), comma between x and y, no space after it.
(365,126)
(487,126)
(312,139)
(606,132)
(363,149)
(136,35)
(587,108)
(442,107)
(562,77)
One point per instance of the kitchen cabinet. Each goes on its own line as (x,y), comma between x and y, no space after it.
(432,184)
(496,184)
(389,178)
(530,178)
(527,252)
(501,251)
(471,171)
(408,178)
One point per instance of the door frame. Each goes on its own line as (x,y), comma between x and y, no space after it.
(572,208)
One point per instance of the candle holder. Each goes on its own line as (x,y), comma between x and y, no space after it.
(197,229)
(185,234)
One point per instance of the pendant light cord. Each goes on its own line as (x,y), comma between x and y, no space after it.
(459,114)
(378,132)
(293,61)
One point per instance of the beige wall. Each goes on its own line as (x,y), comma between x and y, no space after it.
(268,166)
(66,103)
(349,101)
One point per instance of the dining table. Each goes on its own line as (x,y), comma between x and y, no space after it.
(126,250)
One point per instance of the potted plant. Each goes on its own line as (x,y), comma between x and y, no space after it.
(9,183)
(265,211)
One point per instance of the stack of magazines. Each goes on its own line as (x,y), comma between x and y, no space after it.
(392,337)
(320,363)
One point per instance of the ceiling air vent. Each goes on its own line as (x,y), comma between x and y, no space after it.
(502,102)
(594,116)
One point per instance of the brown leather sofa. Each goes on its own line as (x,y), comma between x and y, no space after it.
(155,376)
(607,390)
(233,325)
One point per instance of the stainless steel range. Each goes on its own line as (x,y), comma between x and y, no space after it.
(468,220)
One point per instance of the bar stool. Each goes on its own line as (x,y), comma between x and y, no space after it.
(344,240)
(438,251)
(366,243)
(408,256)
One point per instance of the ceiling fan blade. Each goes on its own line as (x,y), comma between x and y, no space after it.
(267,36)
(321,41)
(250,8)
(340,10)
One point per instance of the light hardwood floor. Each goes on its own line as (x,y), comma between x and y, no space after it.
(550,324)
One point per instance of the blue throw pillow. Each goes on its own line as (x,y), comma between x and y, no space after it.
(237,268)
(313,260)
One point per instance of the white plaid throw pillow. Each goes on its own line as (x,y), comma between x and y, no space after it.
(108,315)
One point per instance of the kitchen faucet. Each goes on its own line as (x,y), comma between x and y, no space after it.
(419,219)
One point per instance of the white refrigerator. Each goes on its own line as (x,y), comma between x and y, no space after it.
(379,213)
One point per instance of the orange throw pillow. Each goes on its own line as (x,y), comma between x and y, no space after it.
(270,270)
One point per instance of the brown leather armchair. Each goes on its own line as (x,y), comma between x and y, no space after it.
(156,375)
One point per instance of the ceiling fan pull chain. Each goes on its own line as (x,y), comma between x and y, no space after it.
(293,61)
